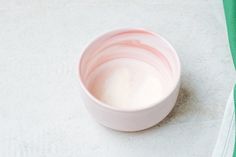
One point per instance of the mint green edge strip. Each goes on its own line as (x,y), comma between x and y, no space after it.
(230,15)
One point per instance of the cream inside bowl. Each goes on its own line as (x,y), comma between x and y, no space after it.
(129,70)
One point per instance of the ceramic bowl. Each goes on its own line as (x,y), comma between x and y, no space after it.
(150,48)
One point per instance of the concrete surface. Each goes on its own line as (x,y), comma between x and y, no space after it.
(41,113)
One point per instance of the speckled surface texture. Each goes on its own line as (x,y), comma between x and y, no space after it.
(41,112)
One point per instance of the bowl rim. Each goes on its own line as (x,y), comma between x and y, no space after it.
(114,108)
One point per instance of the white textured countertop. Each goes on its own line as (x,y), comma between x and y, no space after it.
(41,112)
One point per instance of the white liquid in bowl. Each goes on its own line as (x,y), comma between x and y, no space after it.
(129,83)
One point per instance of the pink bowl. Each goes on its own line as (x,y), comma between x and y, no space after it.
(137,44)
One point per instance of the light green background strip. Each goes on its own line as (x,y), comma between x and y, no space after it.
(230,15)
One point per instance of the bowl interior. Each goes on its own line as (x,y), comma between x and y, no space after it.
(129,69)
